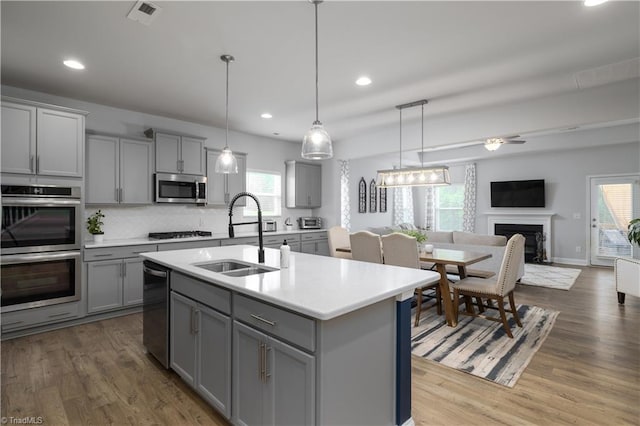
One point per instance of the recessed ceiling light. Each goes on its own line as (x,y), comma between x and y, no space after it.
(590,3)
(363,81)
(72,63)
(266,115)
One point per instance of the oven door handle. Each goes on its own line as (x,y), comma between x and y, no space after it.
(153,272)
(45,202)
(39,257)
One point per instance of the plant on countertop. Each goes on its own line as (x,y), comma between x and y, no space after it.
(634,231)
(419,236)
(94,223)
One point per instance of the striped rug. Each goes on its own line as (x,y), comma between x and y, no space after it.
(549,276)
(480,347)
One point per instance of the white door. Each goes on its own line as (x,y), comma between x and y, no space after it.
(615,200)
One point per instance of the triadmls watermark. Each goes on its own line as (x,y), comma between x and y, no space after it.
(27,420)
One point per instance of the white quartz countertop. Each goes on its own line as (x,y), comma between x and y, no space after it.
(317,286)
(215,236)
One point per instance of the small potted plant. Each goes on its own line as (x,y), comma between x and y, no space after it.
(420,237)
(634,231)
(94,226)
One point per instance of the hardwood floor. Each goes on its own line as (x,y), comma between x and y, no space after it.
(586,372)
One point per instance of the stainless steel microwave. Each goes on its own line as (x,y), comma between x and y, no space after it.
(180,188)
(310,223)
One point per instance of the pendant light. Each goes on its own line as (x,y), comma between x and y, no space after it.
(226,162)
(413,176)
(316,144)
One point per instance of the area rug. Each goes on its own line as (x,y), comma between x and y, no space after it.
(549,276)
(481,347)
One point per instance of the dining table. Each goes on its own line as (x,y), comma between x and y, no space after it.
(440,258)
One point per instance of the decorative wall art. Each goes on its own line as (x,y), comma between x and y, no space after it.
(373,196)
(362,196)
(383,200)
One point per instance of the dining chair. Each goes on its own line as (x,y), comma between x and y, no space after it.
(402,250)
(498,288)
(366,246)
(338,237)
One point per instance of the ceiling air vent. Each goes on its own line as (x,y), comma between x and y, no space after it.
(144,12)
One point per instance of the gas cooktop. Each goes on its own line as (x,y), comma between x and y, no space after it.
(179,234)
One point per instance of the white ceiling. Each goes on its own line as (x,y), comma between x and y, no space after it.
(459,55)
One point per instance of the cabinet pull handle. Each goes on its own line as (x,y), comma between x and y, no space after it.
(266,364)
(196,326)
(121,195)
(103,255)
(124,269)
(192,331)
(266,321)
(63,314)
(4,324)
(37,164)
(117,195)
(263,363)
(31,158)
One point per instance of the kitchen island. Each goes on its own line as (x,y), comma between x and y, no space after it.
(325,341)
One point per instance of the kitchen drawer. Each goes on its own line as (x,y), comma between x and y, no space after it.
(40,316)
(272,240)
(242,240)
(120,252)
(278,322)
(188,245)
(309,236)
(203,292)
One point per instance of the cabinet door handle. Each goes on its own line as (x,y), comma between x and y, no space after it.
(124,269)
(192,320)
(31,159)
(263,363)
(266,363)
(196,326)
(117,195)
(37,164)
(121,195)
(103,255)
(264,320)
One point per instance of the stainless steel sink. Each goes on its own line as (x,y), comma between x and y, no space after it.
(223,265)
(248,271)
(234,268)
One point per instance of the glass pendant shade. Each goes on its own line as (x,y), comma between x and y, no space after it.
(226,162)
(414,176)
(316,144)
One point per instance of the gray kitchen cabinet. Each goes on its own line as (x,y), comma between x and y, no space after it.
(182,245)
(42,140)
(201,350)
(114,277)
(315,243)
(119,170)
(303,184)
(273,382)
(17,320)
(179,154)
(275,241)
(239,240)
(222,187)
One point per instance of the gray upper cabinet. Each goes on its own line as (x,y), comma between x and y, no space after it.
(303,185)
(179,154)
(222,187)
(119,170)
(43,141)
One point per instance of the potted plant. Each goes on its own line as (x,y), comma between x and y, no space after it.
(420,237)
(634,231)
(94,226)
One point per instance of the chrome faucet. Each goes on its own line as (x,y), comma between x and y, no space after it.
(259,222)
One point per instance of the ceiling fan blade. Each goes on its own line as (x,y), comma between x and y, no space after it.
(514,141)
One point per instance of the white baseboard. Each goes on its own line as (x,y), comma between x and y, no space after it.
(570,261)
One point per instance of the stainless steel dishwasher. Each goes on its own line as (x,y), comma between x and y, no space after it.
(155,311)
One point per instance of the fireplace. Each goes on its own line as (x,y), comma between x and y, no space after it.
(523,218)
(533,252)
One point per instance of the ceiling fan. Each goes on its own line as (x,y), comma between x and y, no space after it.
(491,144)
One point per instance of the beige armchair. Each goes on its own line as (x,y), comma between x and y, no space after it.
(366,246)
(402,250)
(338,237)
(627,272)
(496,288)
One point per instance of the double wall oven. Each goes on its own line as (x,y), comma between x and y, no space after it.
(41,237)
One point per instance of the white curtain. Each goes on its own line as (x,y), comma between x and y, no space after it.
(469,206)
(345,204)
(402,206)
(429,192)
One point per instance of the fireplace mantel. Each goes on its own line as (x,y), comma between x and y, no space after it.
(523,217)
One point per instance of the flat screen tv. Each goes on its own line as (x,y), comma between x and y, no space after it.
(518,193)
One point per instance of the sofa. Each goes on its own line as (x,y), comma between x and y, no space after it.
(627,272)
(457,240)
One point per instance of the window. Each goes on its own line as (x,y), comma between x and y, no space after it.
(449,201)
(267,186)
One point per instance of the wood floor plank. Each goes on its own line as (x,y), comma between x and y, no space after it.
(587,372)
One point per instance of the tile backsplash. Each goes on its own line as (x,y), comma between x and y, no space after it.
(137,222)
